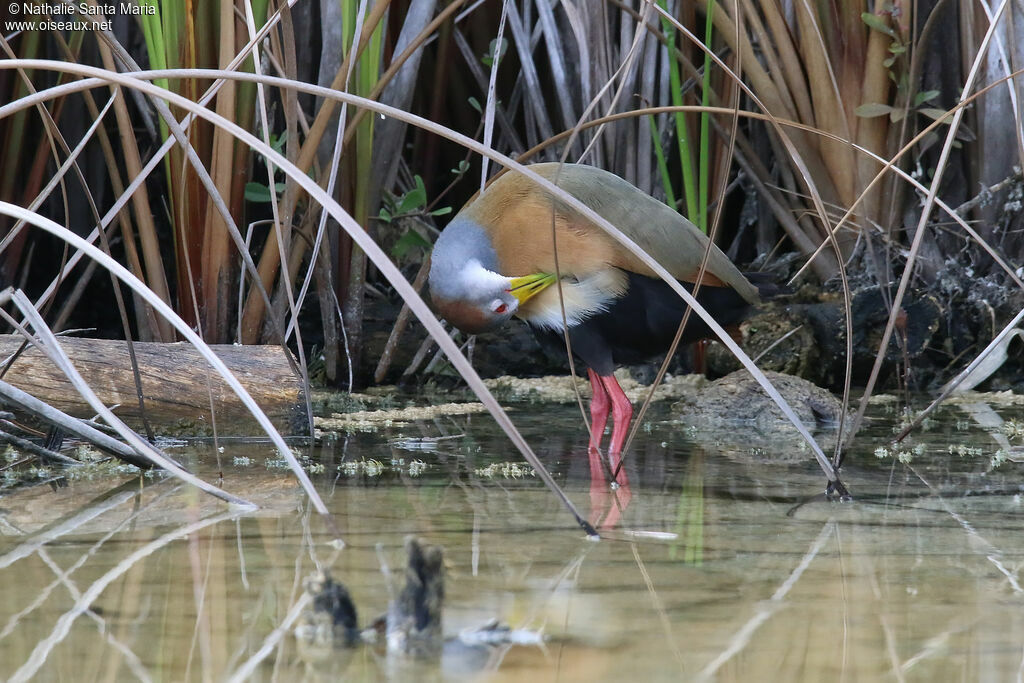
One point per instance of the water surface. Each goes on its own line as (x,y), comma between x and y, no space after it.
(715,563)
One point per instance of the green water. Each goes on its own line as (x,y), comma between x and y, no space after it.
(714,564)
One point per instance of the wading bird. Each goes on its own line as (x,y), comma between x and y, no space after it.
(496,259)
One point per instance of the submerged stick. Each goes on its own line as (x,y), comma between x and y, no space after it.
(414,619)
(72,425)
(44,454)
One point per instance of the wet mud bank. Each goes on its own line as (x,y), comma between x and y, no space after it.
(939,329)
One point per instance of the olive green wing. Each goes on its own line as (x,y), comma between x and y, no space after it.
(676,243)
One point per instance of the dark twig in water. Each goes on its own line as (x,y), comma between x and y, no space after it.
(334,620)
(414,619)
(412,628)
(45,454)
(43,411)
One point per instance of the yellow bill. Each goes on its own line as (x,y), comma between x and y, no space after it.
(526,287)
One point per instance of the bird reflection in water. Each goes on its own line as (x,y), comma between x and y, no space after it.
(608,501)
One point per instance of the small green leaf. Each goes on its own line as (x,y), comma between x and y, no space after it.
(418,239)
(897,48)
(410,240)
(475,103)
(414,199)
(936,114)
(277,142)
(260,194)
(925,96)
(496,50)
(385,215)
(873,109)
(443,211)
(888,62)
(878,23)
(897,115)
(254,192)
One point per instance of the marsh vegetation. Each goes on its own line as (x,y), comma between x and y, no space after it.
(276,173)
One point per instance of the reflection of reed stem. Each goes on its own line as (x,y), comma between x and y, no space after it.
(768,607)
(45,646)
(128,491)
(690,513)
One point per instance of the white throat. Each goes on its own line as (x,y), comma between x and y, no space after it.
(582,298)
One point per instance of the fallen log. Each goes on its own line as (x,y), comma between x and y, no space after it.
(177,384)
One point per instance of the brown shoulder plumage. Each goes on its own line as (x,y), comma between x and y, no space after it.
(518,215)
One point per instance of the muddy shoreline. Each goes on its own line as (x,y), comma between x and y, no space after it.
(939,330)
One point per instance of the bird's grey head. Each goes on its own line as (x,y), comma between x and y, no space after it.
(464,286)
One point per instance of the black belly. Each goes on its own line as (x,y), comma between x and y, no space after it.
(643,323)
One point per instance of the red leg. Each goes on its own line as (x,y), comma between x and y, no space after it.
(622,413)
(599,404)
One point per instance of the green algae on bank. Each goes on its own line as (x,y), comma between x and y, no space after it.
(351,412)
(326,402)
(371,420)
(559,388)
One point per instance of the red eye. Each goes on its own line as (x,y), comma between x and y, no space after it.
(501,308)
